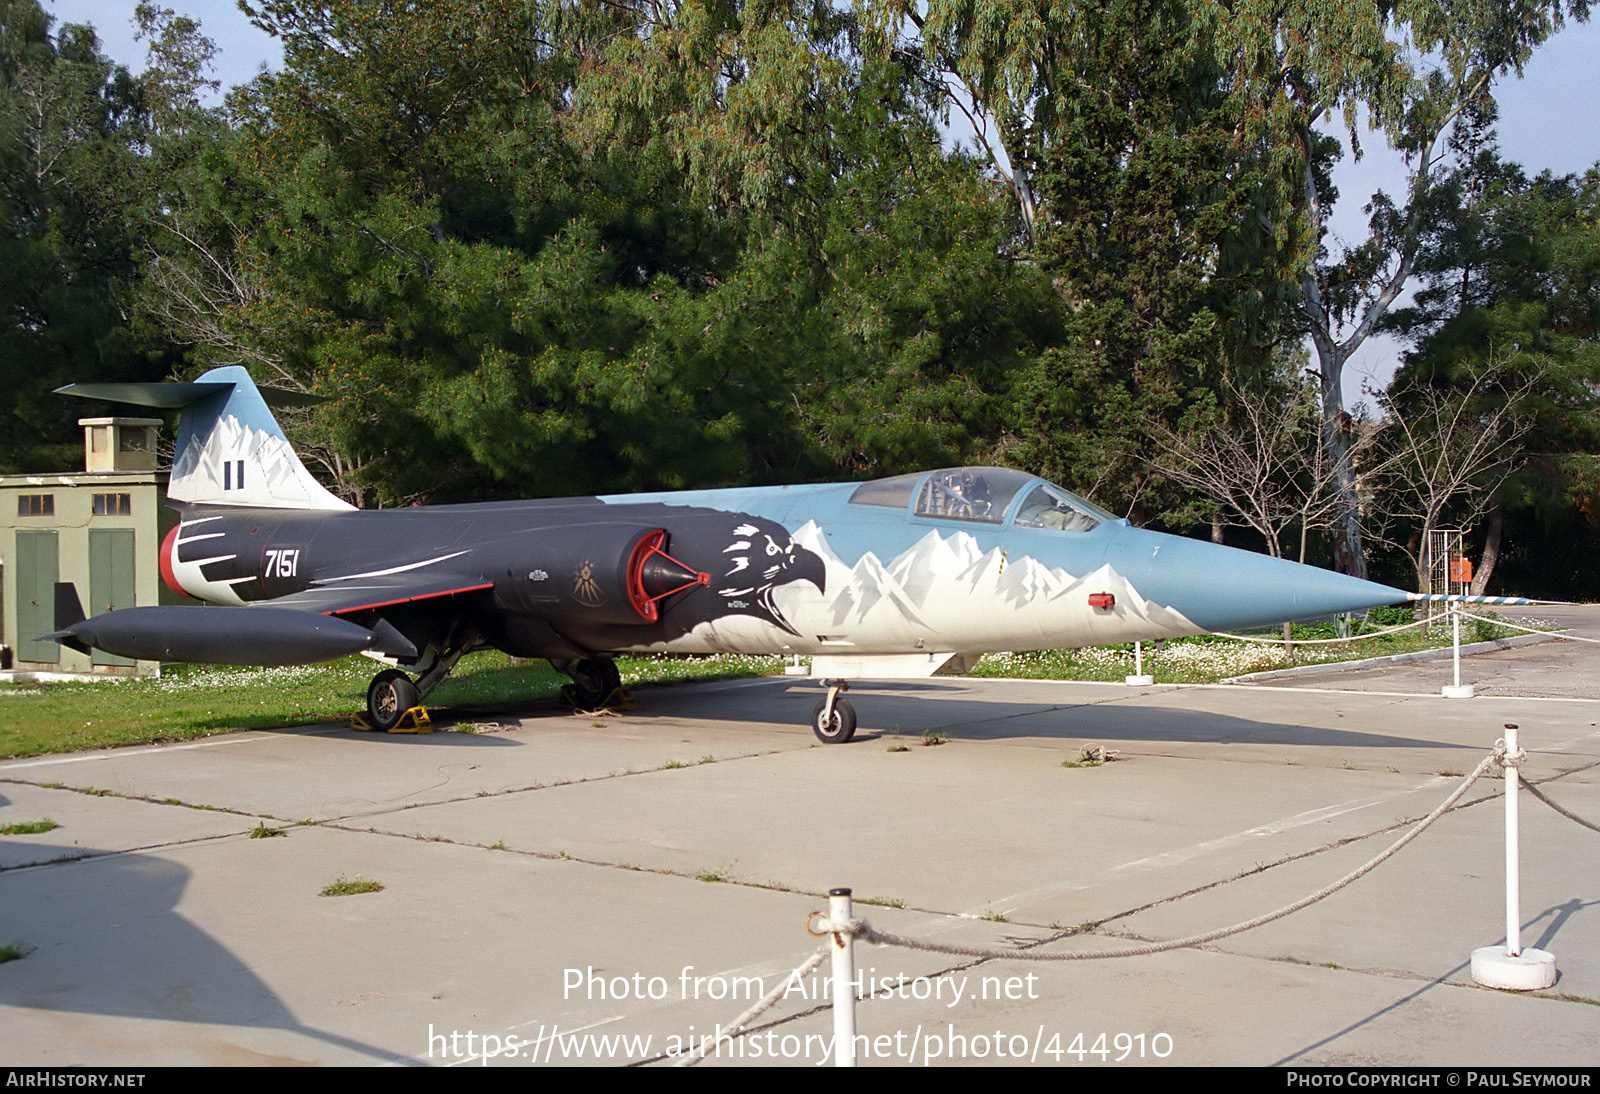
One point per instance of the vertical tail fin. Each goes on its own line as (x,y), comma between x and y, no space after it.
(231,450)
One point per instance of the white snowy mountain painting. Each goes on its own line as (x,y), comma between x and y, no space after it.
(237,464)
(944,593)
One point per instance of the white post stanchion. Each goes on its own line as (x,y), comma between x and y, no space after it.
(1457,690)
(1138,679)
(844,980)
(1510,966)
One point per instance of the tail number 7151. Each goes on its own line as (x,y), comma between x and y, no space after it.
(281,562)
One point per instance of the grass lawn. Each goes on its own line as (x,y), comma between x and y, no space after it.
(191,701)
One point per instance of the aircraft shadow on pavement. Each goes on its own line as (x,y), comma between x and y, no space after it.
(104,937)
(949,708)
(447,723)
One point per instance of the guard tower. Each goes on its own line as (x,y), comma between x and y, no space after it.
(100,529)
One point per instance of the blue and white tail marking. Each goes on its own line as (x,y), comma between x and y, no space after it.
(231,451)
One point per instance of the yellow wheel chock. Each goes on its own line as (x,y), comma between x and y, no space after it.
(619,699)
(415,720)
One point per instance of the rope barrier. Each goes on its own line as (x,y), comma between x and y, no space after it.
(1531,630)
(736,1027)
(1508,758)
(1536,792)
(885,938)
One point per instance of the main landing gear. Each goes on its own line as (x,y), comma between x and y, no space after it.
(389,696)
(594,680)
(834,720)
(392,692)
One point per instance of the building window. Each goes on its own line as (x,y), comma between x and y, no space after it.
(36,505)
(113,505)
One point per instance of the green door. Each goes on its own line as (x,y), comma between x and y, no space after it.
(111,583)
(36,597)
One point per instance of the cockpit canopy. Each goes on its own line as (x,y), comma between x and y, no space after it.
(984,495)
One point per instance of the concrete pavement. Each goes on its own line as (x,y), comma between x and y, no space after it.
(572,889)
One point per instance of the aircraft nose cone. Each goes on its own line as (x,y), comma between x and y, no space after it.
(1222,588)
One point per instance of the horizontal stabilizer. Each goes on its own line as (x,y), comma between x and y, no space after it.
(175,396)
(231,450)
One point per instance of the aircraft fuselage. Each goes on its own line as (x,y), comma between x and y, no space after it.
(805,569)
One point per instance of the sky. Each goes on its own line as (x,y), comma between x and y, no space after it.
(1549,119)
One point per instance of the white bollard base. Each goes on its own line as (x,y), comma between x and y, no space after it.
(1530,970)
(1457,691)
(1138,681)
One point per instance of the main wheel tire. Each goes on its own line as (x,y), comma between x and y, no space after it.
(593,681)
(613,675)
(836,730)
(389,696)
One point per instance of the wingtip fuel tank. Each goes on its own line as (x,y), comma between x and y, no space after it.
(259,636)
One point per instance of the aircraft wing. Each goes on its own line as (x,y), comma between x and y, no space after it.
(373,594)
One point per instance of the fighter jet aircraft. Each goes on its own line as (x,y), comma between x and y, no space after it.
(895,578)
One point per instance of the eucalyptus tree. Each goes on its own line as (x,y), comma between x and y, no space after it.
(1416,69)
(1196,135)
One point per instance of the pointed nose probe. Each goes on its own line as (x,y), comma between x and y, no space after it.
(1223,588)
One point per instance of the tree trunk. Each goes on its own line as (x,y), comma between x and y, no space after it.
(1491,548)
(1348,555)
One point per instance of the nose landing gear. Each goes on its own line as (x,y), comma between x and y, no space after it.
(833,719)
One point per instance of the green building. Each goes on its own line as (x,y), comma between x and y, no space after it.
(100,529)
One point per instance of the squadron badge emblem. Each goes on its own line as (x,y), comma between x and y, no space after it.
(585,590)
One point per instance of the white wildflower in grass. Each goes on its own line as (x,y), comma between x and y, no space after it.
(1204,661)
(667,666)
(1534,624)
(186,678)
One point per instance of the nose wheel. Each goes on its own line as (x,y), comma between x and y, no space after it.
(833,719)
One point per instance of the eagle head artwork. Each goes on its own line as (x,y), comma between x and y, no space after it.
(759,557)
